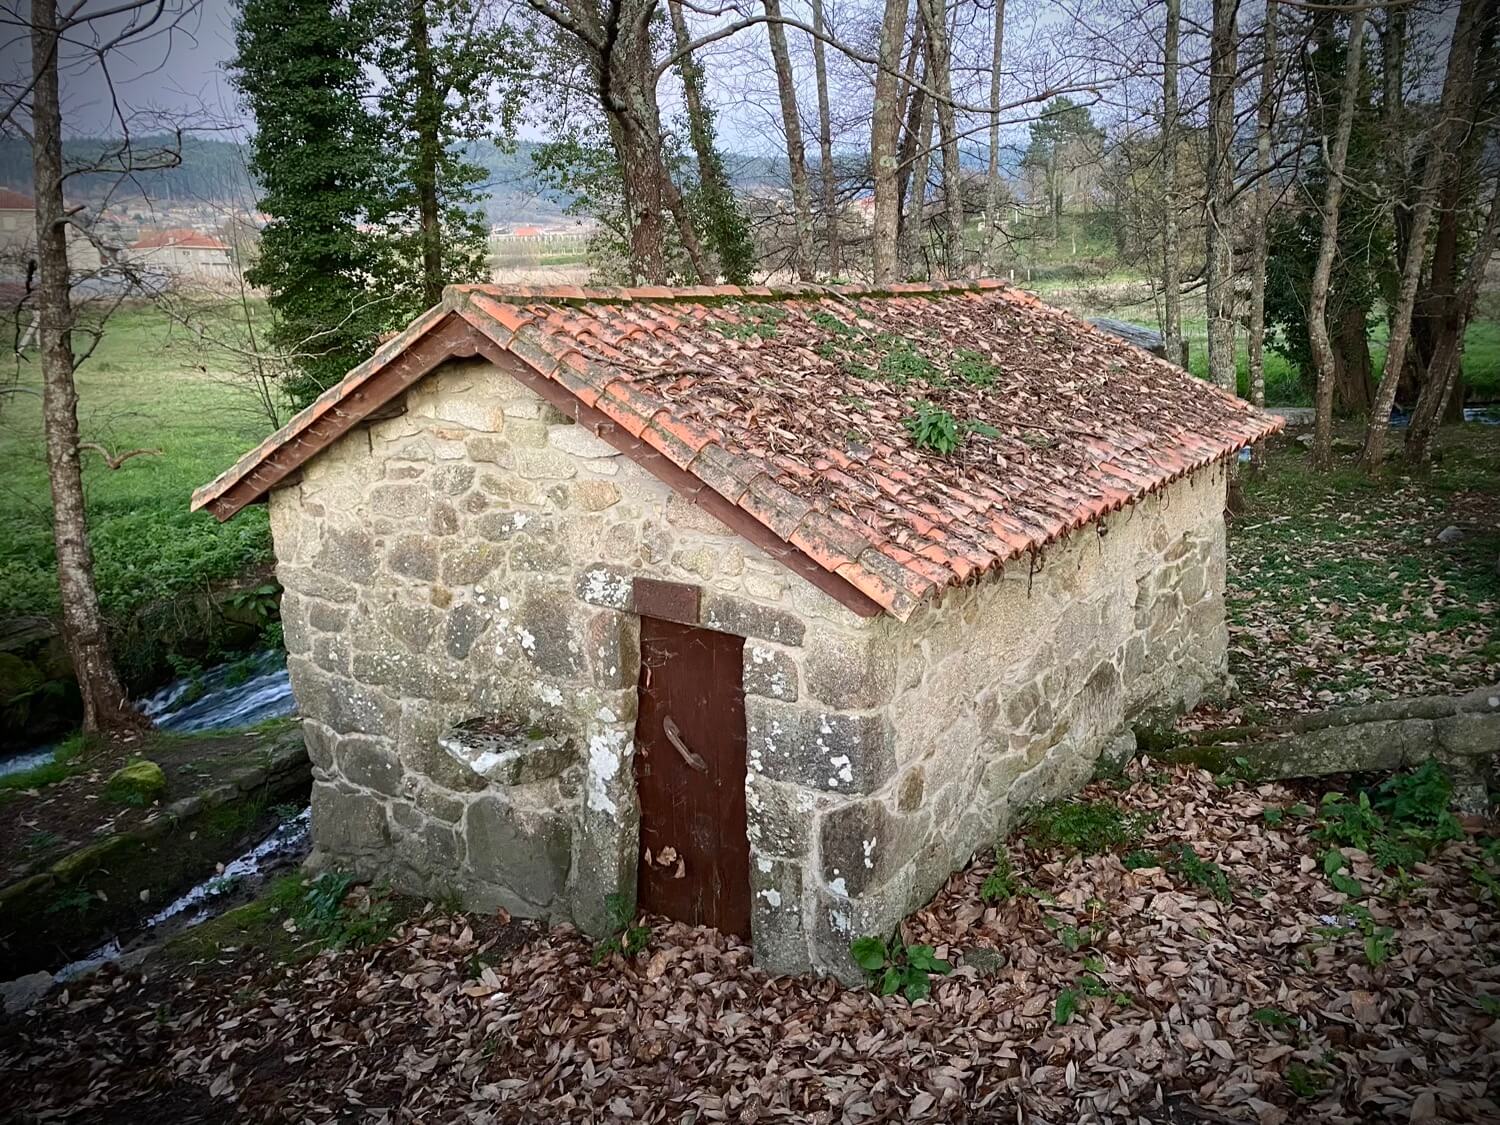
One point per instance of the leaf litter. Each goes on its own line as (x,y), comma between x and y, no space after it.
(1181,1007)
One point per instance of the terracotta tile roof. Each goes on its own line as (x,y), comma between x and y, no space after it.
(793,403)
(181,236)
(15,200)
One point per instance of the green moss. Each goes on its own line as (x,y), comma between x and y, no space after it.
(136,783)
(1086,827)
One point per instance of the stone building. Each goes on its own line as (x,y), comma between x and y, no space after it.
(767,606)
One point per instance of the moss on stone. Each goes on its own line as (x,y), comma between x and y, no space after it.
(136,783)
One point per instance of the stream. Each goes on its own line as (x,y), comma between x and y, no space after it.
(226,697)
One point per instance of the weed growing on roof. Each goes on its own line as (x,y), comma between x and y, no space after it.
(894,967)
(902,363)
(756,322)
(932,429)
(830,323)
(1086,827)
(974,368)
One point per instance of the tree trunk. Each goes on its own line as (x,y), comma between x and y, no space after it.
(1444,370)
(796,155)
(1456,103)
(106,708)
(1317,312)
(992,182)
(1171,272)
(427,116)
(710,167)
(885,123)
(1353,369)
(1220,280)
(825,144)
(1264,117)
(914,237)
(913,151)
(939,56)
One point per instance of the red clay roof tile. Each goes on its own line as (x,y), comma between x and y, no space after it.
(791,402)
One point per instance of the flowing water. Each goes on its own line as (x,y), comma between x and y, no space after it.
(223,698)
(237,694)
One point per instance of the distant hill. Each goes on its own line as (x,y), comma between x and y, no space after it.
(216,172)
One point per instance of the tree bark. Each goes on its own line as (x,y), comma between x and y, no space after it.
(825,144)
(1264,117)
(1220,275)
(885,125)
(914,236)
(427,117)
(939,57)
(106,708)
(1171,272)
(1317,313)
(992,182)
(796,155)
(1443,372)
(1455,103)
(710,167)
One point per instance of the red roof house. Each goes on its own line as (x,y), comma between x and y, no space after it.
(765,606)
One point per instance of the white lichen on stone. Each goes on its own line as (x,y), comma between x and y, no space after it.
(839,887)
(604,587)
(772,896)
(869,847)
(606,749)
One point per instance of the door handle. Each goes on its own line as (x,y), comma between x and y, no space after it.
(674,736)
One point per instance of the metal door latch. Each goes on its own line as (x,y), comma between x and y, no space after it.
(674,736)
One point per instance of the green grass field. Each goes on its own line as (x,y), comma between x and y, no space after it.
(1283,383)
(148,385)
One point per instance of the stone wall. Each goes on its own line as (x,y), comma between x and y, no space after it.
(1006,694)
(473,558)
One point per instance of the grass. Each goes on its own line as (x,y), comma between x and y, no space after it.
(1085,827)
(147,386)
(1340,593)
(1284,385)
(66,761)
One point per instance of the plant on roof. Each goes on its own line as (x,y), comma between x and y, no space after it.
(830,323)
(974,368)
(902,363)
(932,429)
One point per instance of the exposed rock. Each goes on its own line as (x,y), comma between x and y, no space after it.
(136,783)
(21,994)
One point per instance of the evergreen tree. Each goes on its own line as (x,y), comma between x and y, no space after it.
(316,153)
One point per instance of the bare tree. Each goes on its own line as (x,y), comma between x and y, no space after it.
(1443,371)
(939,65)
(1171,277)
(1265,112)
(885,125)
(1455,105)
(1220,210)
(1317,313)
(107,710)
(825,142)
(992,182)
(796,155)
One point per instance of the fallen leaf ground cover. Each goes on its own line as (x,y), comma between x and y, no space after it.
(1202,966)
(1341,592)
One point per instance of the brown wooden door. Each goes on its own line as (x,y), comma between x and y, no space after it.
(690,774)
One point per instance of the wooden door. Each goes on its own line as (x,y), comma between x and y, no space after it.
(690,775)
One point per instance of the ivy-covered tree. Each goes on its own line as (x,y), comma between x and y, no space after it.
(316,153)
(447,84)
(1362,254)
(366,116)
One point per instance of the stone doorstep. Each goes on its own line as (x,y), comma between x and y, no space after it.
(84,861)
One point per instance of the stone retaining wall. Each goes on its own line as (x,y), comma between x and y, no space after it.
(474,558)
